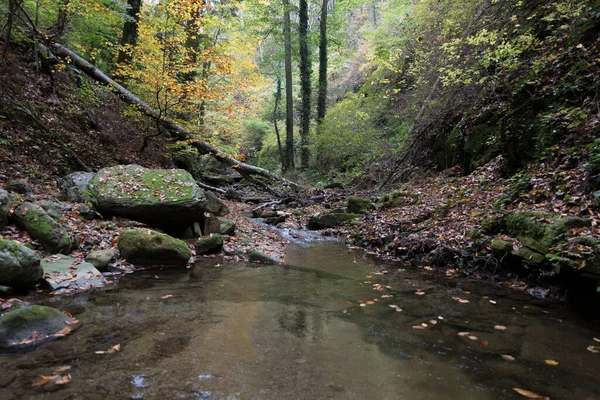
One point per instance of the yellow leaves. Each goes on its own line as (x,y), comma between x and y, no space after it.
(551,362)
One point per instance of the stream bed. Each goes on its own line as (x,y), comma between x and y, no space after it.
(248,331)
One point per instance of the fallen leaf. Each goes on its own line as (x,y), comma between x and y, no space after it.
(463,301)
(419,293)
(493,301)
(500,327)
(594,349)
(62,369)
(65,379)
(363,305)
(463,333)
(370,302)
(432,321)
(507,357)
(551,362)
(528,394)
(418,327)
(424,325)
(485,342)
(166,296)
(597,340)
(393,306)
(473,337)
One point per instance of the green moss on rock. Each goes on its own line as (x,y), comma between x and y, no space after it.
(530,258)
(40,226)
(209,244)
(21,323)
(533,233)
(494,225)
(501,247)
(358,205)
(227,226)
(257,256)
(147,247)
(19,266)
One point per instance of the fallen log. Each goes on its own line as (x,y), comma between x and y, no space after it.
(176,131)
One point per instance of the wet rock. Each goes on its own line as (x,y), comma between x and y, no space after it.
(147,247)
(209,244)
(257,256)
(75,187)
(215,205)
(358,205)
(30,322)
(533,233)
(40,226)
(227,226)
(20,186)
(501,247)
(101,258)
(329,220)
(19,266)
(166,199)
(4,206)
(64,272)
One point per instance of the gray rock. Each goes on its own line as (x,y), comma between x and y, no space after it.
(101,258)
(4,206)
(143,246)
(209,244)
(88,213)
(20,324)
(215,205)
(257,256)
(19,266)
(64,272)
(20,186)
(166,199)
(40,226)
(53,209)
(329,220)
(211,225)
(74,187)
(227,226)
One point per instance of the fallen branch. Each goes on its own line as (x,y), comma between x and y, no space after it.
(212,188)
(176,131)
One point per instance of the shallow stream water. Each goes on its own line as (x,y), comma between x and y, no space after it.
(243,331)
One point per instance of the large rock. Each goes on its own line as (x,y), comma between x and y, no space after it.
(19,265)
(4,206)
(20,186)
(101,258)
(227,226)
(329,220)
(74,187)
(167,199)
(147,247)
(53,208)
(358,205)
(40,226)
(209,244)
(66,274)
(29,324)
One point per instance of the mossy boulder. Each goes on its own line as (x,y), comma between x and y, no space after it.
(54,209)
(147,247)
(20,186)
(493,225)
(75,187)
(227,226)
(501,247)
(331,220)
(397,199)
(358,205)
(4,206)
(19,265)
(30,322)
(258,257)
(564,264)
(534,231)
(530,258)
(168,199)
(42,227)
(209,244)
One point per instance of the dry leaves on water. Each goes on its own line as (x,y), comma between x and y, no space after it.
(507,357)
(500,327)
(530,394)
(116,347)
(594,349)
(57,378)
(551,362)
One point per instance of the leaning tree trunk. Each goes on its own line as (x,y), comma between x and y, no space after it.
(177,131)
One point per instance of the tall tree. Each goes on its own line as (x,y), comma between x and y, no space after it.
(322,95)
(130,30)
(305,85)
(289,100)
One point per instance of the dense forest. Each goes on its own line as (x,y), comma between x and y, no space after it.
(299,199)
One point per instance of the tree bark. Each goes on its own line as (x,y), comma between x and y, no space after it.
(322,95)
(289,100)
(305,86)
(130,31)
(275,115)
(177,131)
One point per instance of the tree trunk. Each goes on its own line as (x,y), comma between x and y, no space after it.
(305,86)
(177,131)
(289,100)
(130,31)
(13,5)
(322,96)
(275,115)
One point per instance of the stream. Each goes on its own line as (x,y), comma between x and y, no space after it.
(245,331)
